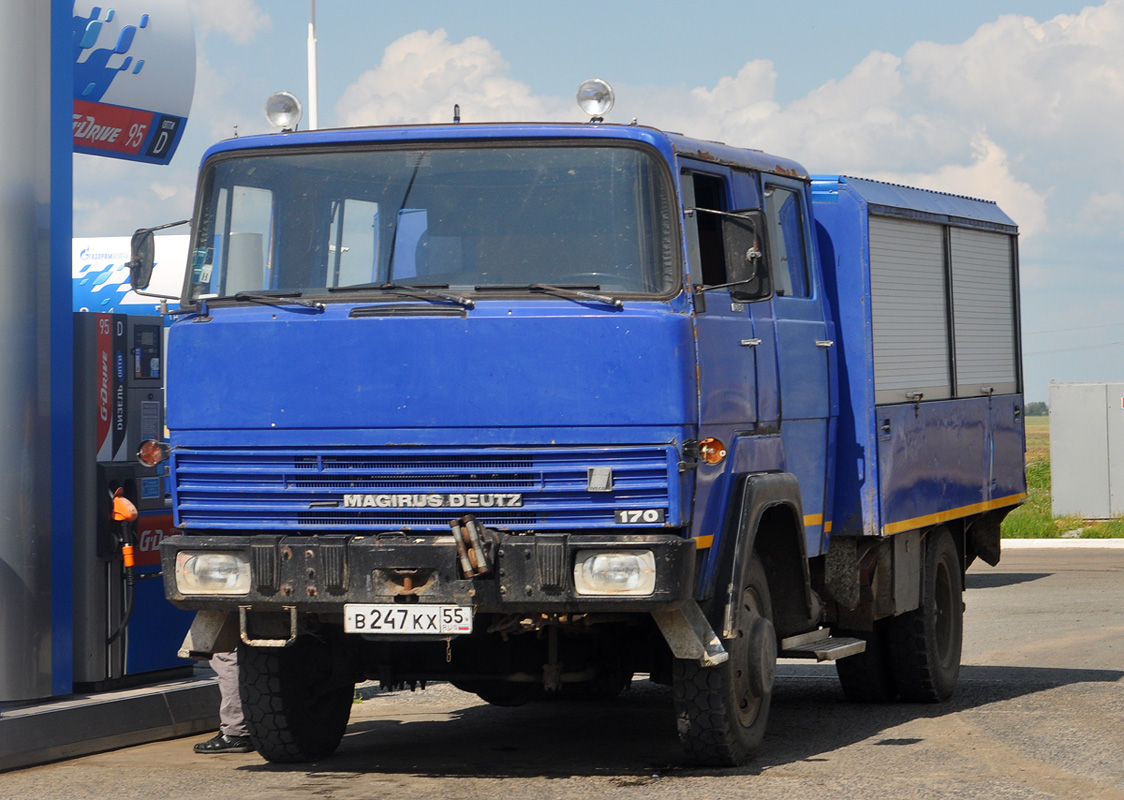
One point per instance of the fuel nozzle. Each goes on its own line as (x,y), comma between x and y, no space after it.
(123,508)
(125,513)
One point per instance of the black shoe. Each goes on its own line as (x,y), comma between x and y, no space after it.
(221,743)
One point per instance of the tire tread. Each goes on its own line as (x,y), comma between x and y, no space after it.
(287,725)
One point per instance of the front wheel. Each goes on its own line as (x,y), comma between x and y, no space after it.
(297,700)
(925,644)
(722,711)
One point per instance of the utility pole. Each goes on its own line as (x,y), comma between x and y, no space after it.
(313,110)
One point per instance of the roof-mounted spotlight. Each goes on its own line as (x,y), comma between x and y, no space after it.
(283,110)
(595,97)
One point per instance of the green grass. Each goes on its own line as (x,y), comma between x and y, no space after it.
(1033,519)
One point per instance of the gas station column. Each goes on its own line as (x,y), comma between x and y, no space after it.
(35,336)
(112,80)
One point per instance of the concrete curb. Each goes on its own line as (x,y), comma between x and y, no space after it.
(1086,544)
(74,726)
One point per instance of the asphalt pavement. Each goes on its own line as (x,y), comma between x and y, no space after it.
(1038,713)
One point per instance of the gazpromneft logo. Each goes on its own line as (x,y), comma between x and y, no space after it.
(86,254)
(486,500)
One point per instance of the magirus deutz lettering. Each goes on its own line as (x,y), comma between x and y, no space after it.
(491,500)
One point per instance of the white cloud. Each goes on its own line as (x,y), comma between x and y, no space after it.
(1105,208)
(989,177)
(423,74)
(1033,80)
(745,98)
(859,123)
(241,20)
(113,197)
(166,191)
(1011,114)
(856,124)
(869,122)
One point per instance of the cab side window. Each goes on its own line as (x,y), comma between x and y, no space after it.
(704,231)
(788,252)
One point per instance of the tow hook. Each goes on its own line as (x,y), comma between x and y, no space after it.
(470,548)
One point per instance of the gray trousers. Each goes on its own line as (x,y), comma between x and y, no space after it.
(232,721)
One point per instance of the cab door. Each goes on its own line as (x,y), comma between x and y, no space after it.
(726,335)
(804,340)
(734,345)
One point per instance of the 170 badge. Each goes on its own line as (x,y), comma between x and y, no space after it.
(636,516)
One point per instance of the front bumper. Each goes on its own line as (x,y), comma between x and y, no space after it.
(526,573)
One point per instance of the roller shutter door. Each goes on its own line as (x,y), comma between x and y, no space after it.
(984,312)
(909,310)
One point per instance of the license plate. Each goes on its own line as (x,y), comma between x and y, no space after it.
(412,619)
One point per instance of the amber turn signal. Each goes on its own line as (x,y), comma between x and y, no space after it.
(712,451)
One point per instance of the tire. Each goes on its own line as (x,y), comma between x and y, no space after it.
(296,703)
(722,711)
(867,677)
(925,644)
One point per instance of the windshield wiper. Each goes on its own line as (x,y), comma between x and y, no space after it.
(424,290)
(569,292)
(271,298)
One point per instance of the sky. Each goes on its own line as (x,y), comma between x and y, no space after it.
(1021,102)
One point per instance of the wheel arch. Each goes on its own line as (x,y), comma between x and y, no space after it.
(766,516)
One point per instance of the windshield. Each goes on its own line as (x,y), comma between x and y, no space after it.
(572,215)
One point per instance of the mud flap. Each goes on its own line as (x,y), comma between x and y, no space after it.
(689,635)
(210,632)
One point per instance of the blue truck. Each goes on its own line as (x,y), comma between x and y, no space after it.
(536,408)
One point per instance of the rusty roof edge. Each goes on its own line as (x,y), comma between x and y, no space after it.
(730,156)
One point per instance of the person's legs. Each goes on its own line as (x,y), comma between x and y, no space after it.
(233,736)
(231,720)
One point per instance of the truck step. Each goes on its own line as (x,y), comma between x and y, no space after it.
(821,645)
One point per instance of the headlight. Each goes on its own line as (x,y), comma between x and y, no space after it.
(212,573)
(603,572)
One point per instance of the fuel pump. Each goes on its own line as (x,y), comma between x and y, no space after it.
(124,628)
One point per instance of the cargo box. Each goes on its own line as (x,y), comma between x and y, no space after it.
(924,288)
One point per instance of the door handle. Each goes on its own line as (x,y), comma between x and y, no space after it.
(824,343)
(750,342)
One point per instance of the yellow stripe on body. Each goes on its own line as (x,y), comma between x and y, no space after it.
(703,542)
(811,520)
(955,513)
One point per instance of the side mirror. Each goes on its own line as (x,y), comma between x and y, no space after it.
(142,259)
(746,274)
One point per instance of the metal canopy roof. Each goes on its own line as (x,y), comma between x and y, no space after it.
(891,199)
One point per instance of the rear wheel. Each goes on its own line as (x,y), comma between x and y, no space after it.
(296,700)
(925,644)
(722,711)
